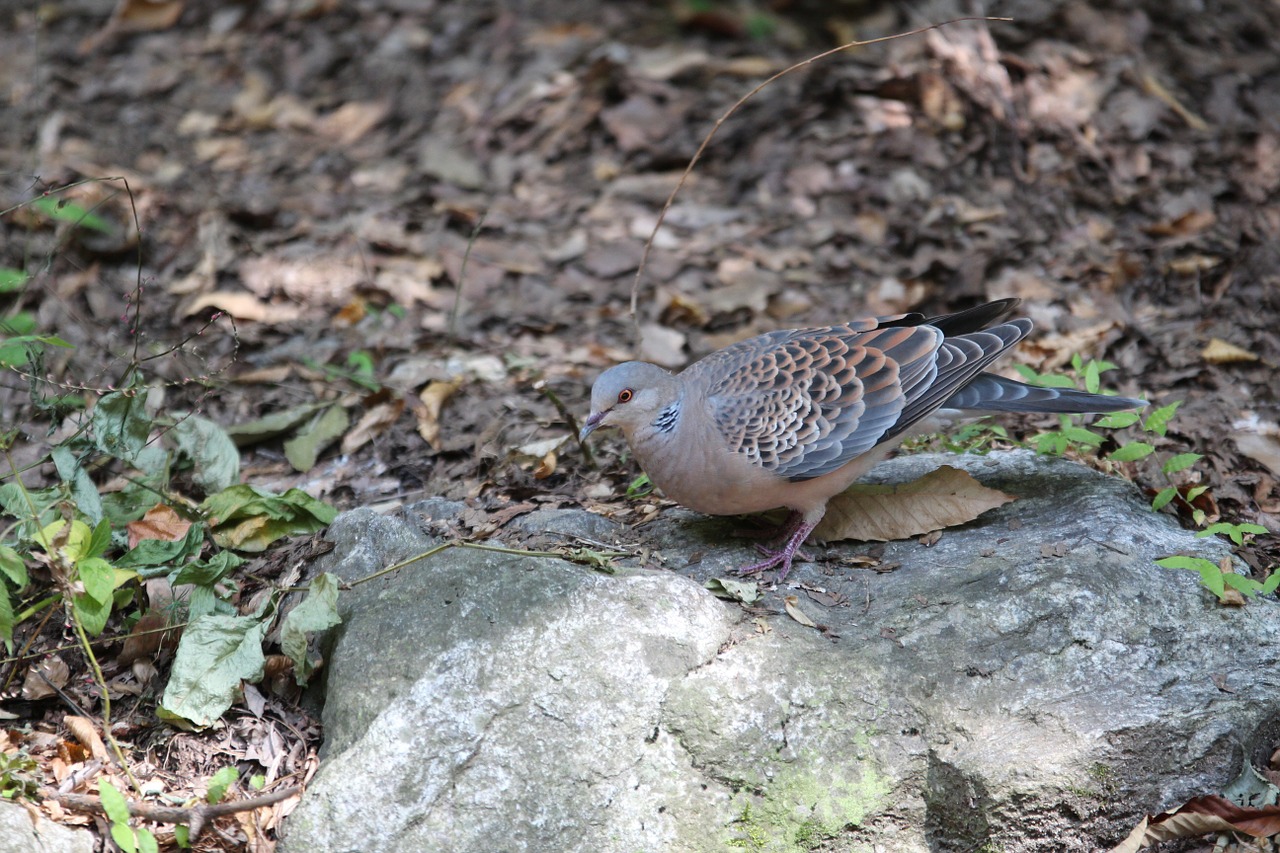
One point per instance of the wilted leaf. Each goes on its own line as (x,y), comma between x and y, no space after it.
(271,426)
(748,592)
(211,451)
(216,653)
(161,522)
(249,519)
(317,612)
(941,498)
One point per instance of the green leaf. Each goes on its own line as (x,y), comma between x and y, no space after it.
(1210,574)
(12,280)
(1180,463)
(1269,585)
(1051,380)
(19,323)
(1131,452)
(215,654)
(121,426)
(83,492)
(1192,494)
(639,487)
(1234,531)
(146,841)
(122,835)
(212,453)
(1241,583)
(98,578)
(99,541)
(219,783)
(1092,379)
(155,557)
(317,612)
(93,614)
(113,802)
(271,426)
(1163,497)
(1080,435)
(1117,420)
(207,572)
(7,619)
(182,835)
(13,567)
(62,210)
(305,448)
(1158,421)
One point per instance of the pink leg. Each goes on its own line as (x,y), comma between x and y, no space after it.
(781,559)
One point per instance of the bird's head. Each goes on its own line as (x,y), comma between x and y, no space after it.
(629,395)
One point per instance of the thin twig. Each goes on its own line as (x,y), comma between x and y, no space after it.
(462,274)
(644,256)
(193,817)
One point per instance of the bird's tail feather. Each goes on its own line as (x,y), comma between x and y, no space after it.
(991,393)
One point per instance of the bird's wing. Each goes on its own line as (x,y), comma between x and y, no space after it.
(804,403)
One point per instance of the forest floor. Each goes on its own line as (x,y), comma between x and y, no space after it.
(427,219)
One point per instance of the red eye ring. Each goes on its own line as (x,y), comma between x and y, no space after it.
(625,395)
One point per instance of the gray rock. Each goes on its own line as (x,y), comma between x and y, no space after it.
(20,833)
(986,691)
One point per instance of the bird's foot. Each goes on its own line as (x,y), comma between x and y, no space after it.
(782,558)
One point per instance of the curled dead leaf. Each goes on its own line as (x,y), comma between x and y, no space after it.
(1201,816)
(86,732)
(433,398)
(376,420)
(942,498)
(1219,351)
(792,604)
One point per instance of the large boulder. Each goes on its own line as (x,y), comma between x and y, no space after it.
(1031,682)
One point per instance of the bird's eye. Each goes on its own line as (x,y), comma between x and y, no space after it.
(625,395)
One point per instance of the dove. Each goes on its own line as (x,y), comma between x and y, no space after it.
(792,418)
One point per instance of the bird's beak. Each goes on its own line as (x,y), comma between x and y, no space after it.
(589,427)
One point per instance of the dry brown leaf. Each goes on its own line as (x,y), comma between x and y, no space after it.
(87,733)
(244,306)
(42,678)
(546,467)
(161,522)
(383,411)
(433,398)
(1049,352)
(144,640)
(941,498)
(792,604)
(1200,816)
(1219,351)
(351,121)
(1187,225)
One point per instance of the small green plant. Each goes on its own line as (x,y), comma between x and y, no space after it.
(1214,579)
(127,838)
(640,487)
(17,776)
(1155,424)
